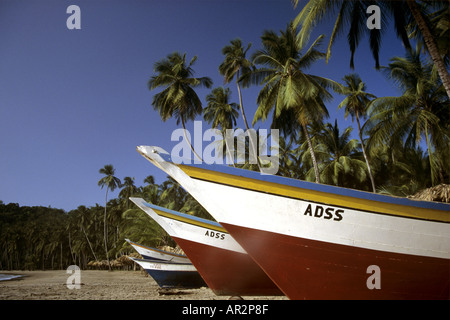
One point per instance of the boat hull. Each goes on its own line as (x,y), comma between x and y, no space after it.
(228,272)
(222,262)
(320,270)
(172,275)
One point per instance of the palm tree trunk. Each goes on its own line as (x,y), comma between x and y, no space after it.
(61,256)
(240,100)
(185,135)
(431,45)
(71,250)
(105,231)
(252,143)
(430,157)
(313,155)
(89,243)
(365,155)
(223,131)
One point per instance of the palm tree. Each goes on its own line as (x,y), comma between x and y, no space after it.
(172,194)
(140,227)
(339,155)
(236,65)
(151,192)
(287,89)
(83,216)
(430,41)
(290,158)
(355,103)
(221,112)
(178,98)
(111,182)
(191,206)
(149,180)
(420,112)
(128,189)
(409,174)
(353,13)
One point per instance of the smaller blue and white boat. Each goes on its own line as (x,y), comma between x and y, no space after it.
(168,274)
(157,254)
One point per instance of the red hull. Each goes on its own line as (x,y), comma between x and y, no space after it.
(228,272)
(309,269)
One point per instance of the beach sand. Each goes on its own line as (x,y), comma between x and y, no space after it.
(99,285)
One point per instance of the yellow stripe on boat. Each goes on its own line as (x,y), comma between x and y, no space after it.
(316,196)
(190,221)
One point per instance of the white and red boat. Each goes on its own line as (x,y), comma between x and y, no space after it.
(224,265)
(323,242)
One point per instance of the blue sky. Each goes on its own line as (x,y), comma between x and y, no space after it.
(72,101)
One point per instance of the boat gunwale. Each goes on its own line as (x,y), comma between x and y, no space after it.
(184,217)
(156,250)
(167,262)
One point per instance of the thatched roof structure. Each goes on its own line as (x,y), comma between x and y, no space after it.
(176,250)
(120,263)
(440,193)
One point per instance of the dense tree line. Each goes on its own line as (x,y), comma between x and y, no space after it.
(47,238)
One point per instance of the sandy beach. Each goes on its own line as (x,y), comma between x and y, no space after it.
(99,285)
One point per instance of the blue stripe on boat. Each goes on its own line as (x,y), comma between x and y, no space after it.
(184,215)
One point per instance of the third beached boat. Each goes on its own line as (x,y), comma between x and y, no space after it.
(169,274)
(323,242)
(157,254)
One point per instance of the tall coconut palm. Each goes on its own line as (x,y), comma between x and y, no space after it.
(178,98)
(430,42)
(128,189)
(235,65)
(150,180)
(355,104)
(290,158)
(172,194)
(220,112)
(151,192)
(354,15)
(84,219)
(111,183)
(421,112)
(287,88)
(439,22)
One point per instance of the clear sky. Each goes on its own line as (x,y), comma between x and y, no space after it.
(72,101)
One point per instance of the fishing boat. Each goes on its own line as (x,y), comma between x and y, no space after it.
(157,254)
(168,274)
(224,265)
(324,242)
